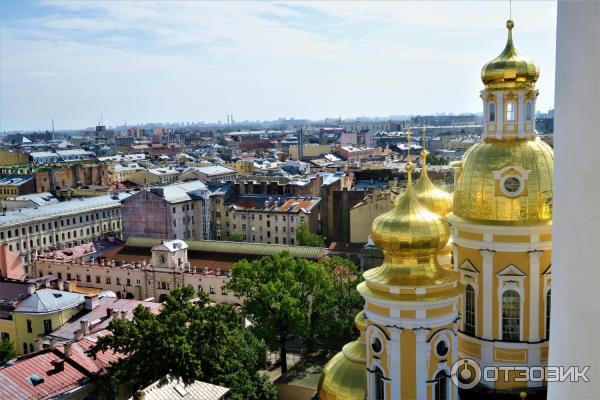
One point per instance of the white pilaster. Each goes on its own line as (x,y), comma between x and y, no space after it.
(487,292)
(395,362)
(521,115)
(499,115)
(421,367)
(534,295)
(575,326)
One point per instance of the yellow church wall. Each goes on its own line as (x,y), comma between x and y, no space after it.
(470,235)
(544,354)
(471,347)
(510,355)
(408,354)
(408,314)
(546,237)
(512,238)
(509,382)
(378,309)
(438,312)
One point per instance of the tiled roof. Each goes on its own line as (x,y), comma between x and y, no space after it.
(225,247)
(49,300)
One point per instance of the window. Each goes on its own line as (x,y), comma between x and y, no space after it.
(68,276)
(512,184)
(47,326)
(510,111)
(24,348)
(469,322)
(511,316)
(29,326)
(528,111)
(5,336)
(212,290)
(376,345)
(548,295)
(118,281)
(88,278)
(441,386)
(97,279)
(128,282)
(108,280)
(379,386)
(441,348)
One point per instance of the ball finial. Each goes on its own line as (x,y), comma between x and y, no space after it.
(510,24)
(409,167)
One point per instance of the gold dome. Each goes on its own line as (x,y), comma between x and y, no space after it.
(510,70)
(409,228)
(479,195)
(345,375)
(432,197)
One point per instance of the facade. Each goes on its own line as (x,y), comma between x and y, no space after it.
(178,211)
(502,225)
(62,175)
(29,230)
(364,213)
(8,157)
(154,176)
(209,174)
(264,219)
(16,185)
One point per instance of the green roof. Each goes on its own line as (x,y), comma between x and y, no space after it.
(226,247)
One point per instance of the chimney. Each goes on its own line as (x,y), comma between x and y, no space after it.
(123,314)
(59,365)
(109,312)
(38,345)
(91,302)
(85,328)
(67,350)
(77,335)
(115,314)
(53,343)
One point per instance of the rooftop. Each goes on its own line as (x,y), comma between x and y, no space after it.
(169,388)
(274,204)
(15,180)
(49,300)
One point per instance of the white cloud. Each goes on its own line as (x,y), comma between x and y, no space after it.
(160,61)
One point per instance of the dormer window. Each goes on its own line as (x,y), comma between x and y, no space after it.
(510,111)
(492,112)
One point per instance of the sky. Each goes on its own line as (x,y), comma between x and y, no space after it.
(170,61)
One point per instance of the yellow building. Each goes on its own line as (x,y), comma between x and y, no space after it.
(364,213)
(502,225)
(411,311)
(41,313)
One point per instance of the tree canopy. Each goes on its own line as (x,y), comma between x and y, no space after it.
(7,351)
(306,238)
(188,339)
(284,296)
(236,237)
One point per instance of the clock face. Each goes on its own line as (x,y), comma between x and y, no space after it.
(162,258)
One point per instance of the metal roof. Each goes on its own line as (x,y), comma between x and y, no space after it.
(49,300)
(69,207)
(15,180)
(169,388)
(226,247)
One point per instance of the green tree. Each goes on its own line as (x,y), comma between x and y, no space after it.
(306,238)
(236,237)
(187,339)
(334,309)
(277,294)
(7,351)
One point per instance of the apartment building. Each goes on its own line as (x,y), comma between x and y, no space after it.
(30,230)
(268,219)
(16,185)
(178,211)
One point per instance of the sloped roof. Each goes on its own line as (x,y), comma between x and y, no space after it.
(169,388)
(226,247)
(49,300)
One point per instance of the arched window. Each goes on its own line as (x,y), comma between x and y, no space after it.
(528,111)
(511,316)
(492,112)
(510,111)
(469,324)
(548,296)
(441,386)
(379,388)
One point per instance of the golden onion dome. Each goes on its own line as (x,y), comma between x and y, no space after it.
(432,197)
(510,70)
(409,228)
(345,375)
(482,193)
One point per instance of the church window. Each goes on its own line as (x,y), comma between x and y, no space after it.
(469,321)
(379,388)
(528,111)
(511,316)
(441,386)
(492,112)
(376,345)
(512,184)
(510,111)
(548,296)
(441,348)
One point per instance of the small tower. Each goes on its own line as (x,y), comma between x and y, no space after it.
(411,305)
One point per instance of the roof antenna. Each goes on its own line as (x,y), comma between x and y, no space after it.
(510,9)
(408,141)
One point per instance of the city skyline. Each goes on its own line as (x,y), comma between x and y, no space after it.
(141,62)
